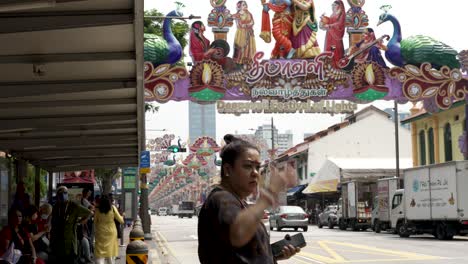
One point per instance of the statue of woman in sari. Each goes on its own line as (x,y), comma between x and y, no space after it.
(282,21)
(304,33)
(244,41)
(335,27)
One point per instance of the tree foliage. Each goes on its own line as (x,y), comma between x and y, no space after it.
(151,108)
(105,177)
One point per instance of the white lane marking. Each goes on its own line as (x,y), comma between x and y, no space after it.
(194,237)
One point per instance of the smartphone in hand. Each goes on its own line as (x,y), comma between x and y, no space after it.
(296,240)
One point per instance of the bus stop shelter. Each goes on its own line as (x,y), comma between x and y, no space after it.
(71,83)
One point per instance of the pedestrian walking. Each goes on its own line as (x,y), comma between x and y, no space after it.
(106,246)
(65,216)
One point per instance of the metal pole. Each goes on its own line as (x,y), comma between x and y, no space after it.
(122,205)
(397,143)
(272,137)
(465,129)
(37,186)
(49,192)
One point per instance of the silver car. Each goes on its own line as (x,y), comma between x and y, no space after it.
(328,217)
(289,217)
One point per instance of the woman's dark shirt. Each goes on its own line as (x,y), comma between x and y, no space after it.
(216,216)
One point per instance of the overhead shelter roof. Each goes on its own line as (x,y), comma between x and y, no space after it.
(329,175)
(71,90)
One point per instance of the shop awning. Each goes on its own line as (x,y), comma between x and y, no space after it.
(296,190)
(322,186)
(333,169)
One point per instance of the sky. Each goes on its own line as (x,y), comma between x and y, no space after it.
(443,20)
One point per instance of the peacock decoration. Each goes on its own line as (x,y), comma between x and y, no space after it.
(417,49)
(163,50)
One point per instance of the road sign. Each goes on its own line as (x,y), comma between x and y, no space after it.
(145,159)
(129,175)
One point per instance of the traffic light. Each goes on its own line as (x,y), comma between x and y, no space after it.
(176,148)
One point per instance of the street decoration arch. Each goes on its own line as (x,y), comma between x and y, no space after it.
(424,69)
(420,68)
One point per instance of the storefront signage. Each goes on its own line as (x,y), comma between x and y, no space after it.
(274,106)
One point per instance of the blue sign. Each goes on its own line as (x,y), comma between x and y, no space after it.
(145,159)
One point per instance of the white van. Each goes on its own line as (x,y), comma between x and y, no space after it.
(162,211)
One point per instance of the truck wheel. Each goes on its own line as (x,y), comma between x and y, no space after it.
(444,232)
(354,226)
(401,229)
(330,224)
(319,224)
(341,225)
(377,227)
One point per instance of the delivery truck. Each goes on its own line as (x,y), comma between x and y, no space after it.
(355,205)
(434,201)
(381,212)
(186,209)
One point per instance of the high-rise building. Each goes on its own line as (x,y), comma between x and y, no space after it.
(202,121)
(401,116)
(282,141)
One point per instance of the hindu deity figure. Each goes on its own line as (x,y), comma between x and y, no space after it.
(304,33)
(335,27)
(244,41)
(282,26)
(373,53)
(199,44)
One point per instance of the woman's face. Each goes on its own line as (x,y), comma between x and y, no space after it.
(244,6)
(244,174)
(34,216)
(335,7)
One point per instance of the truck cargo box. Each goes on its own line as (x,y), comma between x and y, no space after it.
(437,192)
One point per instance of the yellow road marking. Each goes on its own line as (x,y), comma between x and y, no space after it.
(166,244)
(385,251)
(317,257)
(330,251)
(299,258)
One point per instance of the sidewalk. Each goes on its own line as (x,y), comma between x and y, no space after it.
(153,256)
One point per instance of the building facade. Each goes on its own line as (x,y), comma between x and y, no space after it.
(202,121)
(282,142)
(435,136)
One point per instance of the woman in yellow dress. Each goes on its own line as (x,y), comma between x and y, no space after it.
(244,41)
(106,244)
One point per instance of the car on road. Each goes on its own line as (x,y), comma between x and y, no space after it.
(328,217)
(289,217)
(162,211)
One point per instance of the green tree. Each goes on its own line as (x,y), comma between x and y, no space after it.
(29,182)
(105,177)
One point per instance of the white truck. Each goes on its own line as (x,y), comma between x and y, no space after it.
(434,201)
(175,209)
(354,206)
(381,213)
(186,208)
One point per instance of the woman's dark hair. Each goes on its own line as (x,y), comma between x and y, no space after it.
(32,209)
(13,217)
(232,150)
(104,204)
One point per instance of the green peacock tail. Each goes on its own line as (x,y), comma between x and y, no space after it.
(156,49)
(418,49)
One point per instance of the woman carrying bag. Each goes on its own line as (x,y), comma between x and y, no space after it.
(106,244)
